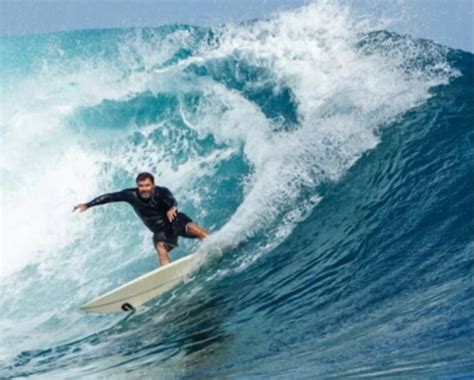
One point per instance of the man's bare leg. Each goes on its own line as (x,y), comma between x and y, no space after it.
(162,253)
(195,230)
(192,229)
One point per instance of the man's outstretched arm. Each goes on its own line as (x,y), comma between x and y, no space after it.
(119,196)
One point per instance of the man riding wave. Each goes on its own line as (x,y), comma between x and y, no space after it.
(157,208)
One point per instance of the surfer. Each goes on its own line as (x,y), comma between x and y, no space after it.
(157,208)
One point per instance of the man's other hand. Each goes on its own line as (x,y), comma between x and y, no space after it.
(81,207)
(171,213)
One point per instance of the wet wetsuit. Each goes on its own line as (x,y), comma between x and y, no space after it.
(152,212)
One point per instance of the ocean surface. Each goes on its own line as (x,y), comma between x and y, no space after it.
(331,159)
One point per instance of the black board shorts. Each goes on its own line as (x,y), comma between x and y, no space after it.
(177,228)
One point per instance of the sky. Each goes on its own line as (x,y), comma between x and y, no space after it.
(449,22)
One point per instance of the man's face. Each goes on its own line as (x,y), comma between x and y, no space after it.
(145,188)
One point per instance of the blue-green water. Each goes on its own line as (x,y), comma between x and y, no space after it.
(333,163)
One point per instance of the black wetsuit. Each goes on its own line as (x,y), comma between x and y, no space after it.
(152,212)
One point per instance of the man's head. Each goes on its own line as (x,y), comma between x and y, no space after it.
(146,184)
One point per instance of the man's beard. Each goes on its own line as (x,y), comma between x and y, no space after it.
(145,194)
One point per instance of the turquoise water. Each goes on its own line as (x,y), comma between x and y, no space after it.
(331,160)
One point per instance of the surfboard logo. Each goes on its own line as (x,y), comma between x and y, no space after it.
(127,307)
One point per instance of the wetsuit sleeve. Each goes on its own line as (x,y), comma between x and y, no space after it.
(167,198)
(119,196)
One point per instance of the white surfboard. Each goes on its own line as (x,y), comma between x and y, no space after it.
(135,293)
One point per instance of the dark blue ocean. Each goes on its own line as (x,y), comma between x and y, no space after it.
(332,161)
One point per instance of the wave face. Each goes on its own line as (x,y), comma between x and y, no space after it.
(332,161)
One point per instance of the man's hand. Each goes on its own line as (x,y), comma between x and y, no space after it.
(81,207)
(171,213)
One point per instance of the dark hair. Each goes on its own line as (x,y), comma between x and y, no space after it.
(143,176)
